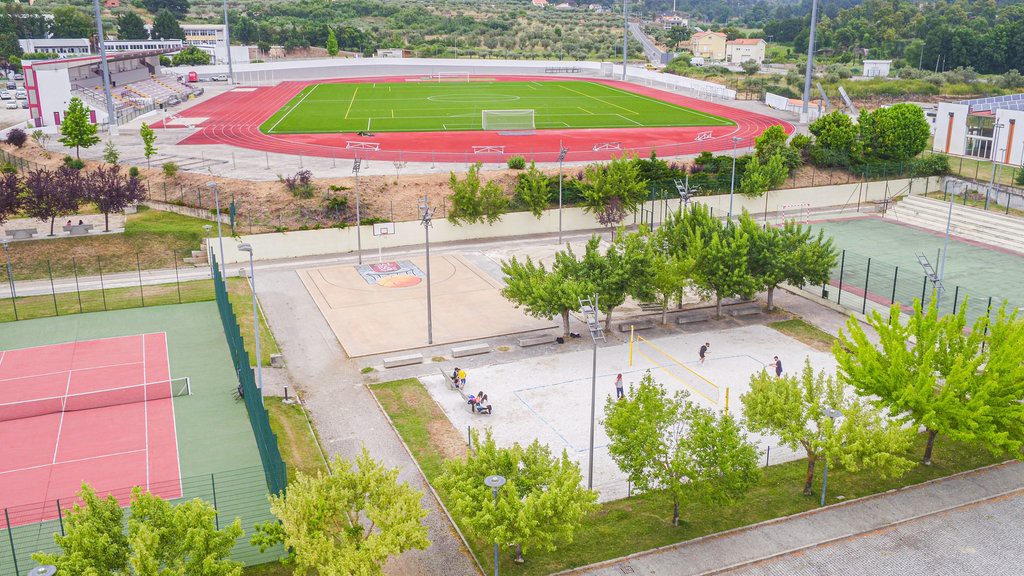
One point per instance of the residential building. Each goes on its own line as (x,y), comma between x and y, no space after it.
(128,45)
(671,20)
(211,39)
(745,50)
(540,3)
(710,45)
(393,53)
(877,68)
(64,47)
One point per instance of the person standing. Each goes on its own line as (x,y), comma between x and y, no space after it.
(777,364)
(618,387)
(704,351)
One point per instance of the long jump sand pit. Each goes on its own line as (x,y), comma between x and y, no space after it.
(547,398)
(376,308)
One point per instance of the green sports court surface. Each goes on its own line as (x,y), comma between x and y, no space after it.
(443,106)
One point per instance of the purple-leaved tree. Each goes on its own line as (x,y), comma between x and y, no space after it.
(10,196)
(52,194)
(113,191)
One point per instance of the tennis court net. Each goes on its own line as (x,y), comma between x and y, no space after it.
(96,399)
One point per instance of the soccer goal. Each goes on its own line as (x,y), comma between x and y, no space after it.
(507,119)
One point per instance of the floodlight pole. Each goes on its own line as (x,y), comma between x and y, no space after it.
(833,414)
(220,236)
(227,44)
(255,319)
(945,249)
(804,117)
(10,275)
(562,151)
(111,114)
(625,36)
(426,220)
(732,185)
(356,164)
(589,309)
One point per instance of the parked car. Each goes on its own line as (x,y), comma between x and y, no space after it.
(219,78)
(13,105)
(5,95)
(21,95)
(173,101)
(24,104)
(11,85)
(19,76)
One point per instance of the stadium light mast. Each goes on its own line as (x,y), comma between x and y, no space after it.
(625,36)
(562,151)
(804,113)
(357,163)
(588,307)
(426,218)
(227,44)
(111,115)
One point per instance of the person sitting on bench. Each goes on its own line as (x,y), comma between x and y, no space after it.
(480,405)
(455,377)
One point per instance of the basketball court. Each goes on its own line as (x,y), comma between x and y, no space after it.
(548,397)
(381,307)
(99,411)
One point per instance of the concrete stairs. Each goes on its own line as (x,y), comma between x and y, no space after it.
(199,257)
(994,229)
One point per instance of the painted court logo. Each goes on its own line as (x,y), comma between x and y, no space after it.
(401,274)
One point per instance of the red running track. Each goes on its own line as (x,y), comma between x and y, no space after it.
(234,118)
(46,458)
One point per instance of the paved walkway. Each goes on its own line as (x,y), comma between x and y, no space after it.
(738,551)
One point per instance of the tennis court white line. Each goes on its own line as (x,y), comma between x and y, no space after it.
(145,409)
(2,354)
(73,342)
(74,461)
(68,370)
(174,421)
(297,104)
(60,426)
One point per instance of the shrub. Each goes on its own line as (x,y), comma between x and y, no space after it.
(73,163)
(8,168)
(800,143)
(517,162)
(335,205)
(133,171)
(1020,177)
(17,137)
(170,169)
(373,220)
(301,184)
(930,165)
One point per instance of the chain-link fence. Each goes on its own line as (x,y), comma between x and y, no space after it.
(240,493)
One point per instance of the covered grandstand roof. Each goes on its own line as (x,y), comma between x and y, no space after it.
(88,60)
(991,104)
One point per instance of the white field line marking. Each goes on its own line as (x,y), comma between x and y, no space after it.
(73,461)
(297,104)
(60,426)
(598,99)
(628,120)
(71,370)
(174,419)
(351,102)
(145,408)
(669,104)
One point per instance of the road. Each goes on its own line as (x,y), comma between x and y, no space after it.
(656,56)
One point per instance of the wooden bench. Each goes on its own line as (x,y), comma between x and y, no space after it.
(78,229)
(746,310)
(638,325)
(470,350)
(526,341)
(693,318)
(21,233)
(407,360)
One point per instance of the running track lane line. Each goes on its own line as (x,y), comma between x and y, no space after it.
(297,104)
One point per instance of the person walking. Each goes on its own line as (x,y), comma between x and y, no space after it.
(618,387)
(704,351)
(777,364)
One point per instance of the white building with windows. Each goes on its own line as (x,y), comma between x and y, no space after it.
(211,39)
(990,128)
(877,68)
(63,47)
(132,45)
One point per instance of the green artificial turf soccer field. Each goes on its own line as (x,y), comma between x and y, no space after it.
(440,106)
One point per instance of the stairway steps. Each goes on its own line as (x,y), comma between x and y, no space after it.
(975,224)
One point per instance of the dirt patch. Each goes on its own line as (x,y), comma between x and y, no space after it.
(444,438)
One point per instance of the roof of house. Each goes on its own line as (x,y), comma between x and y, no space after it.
(700,35)
(746,41)
(540,2)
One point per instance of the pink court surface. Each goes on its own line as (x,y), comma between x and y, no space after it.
(47,456)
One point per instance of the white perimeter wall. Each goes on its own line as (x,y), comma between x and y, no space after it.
(955,132)
(1010,137)
(334,241)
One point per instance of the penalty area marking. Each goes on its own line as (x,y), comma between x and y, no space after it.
(297,104)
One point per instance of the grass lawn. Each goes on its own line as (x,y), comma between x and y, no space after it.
(643,522)
(451,105)
(240,297)
(152,239)
(800,330)
(981,170)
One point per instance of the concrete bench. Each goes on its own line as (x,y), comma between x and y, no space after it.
(407,360)
(526,341)
(78,229)
(744,311)
(21,233)
(638,325)
(470,350)
(693,318)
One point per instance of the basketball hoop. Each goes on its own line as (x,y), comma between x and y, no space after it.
(380,230)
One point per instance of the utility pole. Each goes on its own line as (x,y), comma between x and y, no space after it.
(804,112)
(111,114)
(227,44)
(625,36)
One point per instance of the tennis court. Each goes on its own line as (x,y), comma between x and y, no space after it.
(95,410)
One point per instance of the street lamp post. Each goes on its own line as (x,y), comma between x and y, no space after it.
(804,113)
(562,151)
(220,235)
(10,275)
(589,309)
(495,482)
(356,165)
(427,216)
(833,414)
(732,185)
(255,318)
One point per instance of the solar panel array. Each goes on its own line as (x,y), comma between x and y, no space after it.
(991,104)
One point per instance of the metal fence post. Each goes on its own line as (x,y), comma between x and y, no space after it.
(138,268)
(895,277)
(103,293)
(867,277)
(10,538)
(842,267)
(924,287)
(53,291)
(78,289)
(956,295)
(177,280)
(60,518)
(988,314)
(216,512)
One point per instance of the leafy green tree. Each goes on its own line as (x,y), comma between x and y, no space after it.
(348,522)
(897,133)
(332,42)
(721,269)
(669,279)
(148,142)
(543,293)
(773,141)
(179,8)
(541,506)
(162,539)
(166,27)
(473,201)
(76,129)
(668,443)
(678,35)
(191,56)
(534,190)
(110,153)
(613,190)
(788,254)
(70,22)
(622,270)
(759,178)
(750,67)
(837,140)
(794,409)
(938,375)
(130,26)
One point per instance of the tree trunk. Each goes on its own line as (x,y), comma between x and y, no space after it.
(675,511)
(52,220)
(928,447)
(519,554)
(664,311)
(608,320)
(106,221)
(718,306)
(77,155)
(565,322)
(771,298)
(811,459)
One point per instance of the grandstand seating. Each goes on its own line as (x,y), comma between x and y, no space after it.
(975,224)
